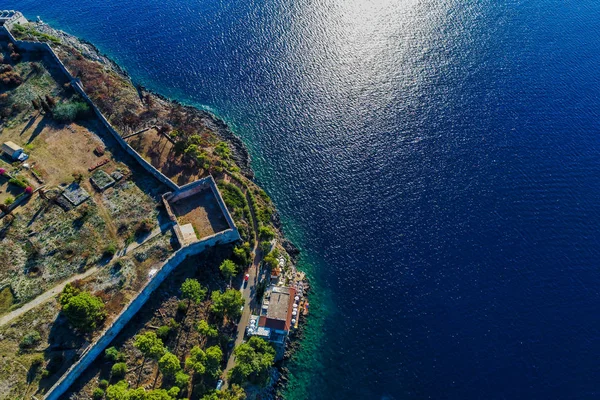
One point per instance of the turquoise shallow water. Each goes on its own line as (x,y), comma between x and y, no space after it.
(436,161)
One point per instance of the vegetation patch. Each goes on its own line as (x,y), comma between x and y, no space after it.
(75,194)
(101,180)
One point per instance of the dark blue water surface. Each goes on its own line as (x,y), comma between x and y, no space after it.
(437,162)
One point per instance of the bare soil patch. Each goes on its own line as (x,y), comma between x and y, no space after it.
(203,212)
(158,151)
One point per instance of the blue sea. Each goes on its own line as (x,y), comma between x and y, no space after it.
(437,161)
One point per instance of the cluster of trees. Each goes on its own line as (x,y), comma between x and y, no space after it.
(121,391)
(14,53)
(241,258)
(83,310)
(194,145)
(253,360)
(227,304)
(9,77)
(207,363)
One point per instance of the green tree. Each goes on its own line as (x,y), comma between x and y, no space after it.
(66,294)
(163,332)
(169,365)
(192,150)
(271,261)
(222,149)
(137,394)
(228,303)
(228,269)
(30,339)
(192,291)
(119,370)
(206,330)
(265,246)
(83,310)
(241,254)
(214,356)
(150,345)
(196,361)
(158,394)
(174,392)
(182,379)
(253,360)
(98,394)
(266,233)
(114,355)
(118,391)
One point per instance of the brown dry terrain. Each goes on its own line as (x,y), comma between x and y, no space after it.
(203,212)
(158,150)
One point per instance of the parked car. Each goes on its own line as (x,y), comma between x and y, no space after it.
(219,384)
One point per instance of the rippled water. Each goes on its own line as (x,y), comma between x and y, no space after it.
(437,161)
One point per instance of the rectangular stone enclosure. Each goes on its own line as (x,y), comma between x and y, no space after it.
(202,211)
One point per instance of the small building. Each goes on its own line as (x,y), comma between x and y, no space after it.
(276,317)
(188,233)
(12,150)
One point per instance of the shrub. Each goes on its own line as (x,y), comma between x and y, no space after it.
(163,332)
(70,111)
(98,394)
(182,306)
(9,200)
(110,250)
(30,339)
(143,227)
(173,324)
(51,101)
(28,190)
(20,182)
(114,355)
(103,384)
(2,171)
(119,370)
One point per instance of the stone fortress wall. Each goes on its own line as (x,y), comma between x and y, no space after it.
(229,235)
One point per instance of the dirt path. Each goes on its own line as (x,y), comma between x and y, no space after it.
(42,298)
(157,231)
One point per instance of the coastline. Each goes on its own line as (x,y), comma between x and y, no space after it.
(241,156)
